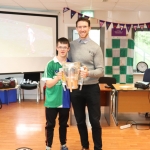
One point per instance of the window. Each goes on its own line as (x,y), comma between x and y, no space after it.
(142,47)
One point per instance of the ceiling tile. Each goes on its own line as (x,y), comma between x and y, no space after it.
(54,5)
(130,1)
(103,6)
(108,5)
(53,1)
(143,8)
(31,5)
(25,1)
(126,6)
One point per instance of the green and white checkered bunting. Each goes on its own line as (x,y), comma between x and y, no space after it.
(119,60)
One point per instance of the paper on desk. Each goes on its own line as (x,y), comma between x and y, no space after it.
(125,86)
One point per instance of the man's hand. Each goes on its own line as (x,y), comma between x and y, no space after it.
(84,72)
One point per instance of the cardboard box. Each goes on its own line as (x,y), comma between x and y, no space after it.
(8,96)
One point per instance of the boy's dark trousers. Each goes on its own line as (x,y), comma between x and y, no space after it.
(51,114)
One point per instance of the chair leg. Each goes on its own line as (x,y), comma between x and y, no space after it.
(19,95)
(37,94)
(23,94)
(40,92)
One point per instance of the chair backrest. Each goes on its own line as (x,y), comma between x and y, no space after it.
(108,80)
(146,76)
(33,76)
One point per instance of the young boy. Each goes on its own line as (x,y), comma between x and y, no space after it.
(57,100)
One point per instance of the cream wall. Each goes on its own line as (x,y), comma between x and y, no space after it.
(126,17)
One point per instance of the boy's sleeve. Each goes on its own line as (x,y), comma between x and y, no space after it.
(48,73)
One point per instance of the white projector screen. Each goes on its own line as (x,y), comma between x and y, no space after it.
(27,41)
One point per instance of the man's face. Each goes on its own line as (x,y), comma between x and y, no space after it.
(83,29)
(62,49)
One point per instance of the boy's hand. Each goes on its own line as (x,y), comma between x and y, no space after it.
(59,75)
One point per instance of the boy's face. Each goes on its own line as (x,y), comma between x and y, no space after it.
(83,29)
(62,49)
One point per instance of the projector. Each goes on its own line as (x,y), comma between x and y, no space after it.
(142,85)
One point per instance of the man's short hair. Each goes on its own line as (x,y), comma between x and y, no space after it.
(83,19)
(63,40)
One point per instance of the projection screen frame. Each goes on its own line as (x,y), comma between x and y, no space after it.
(30,14)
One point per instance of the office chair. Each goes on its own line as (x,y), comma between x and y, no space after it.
(109,81)
(31,81)
(146,78)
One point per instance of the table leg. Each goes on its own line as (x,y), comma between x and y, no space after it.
(19,94)
(107,107)
(115,112)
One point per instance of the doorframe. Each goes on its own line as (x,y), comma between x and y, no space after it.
(102,36)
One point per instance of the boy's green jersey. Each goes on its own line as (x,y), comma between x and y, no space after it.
(56,97)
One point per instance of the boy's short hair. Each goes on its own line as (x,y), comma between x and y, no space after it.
(63,40)
(83,19)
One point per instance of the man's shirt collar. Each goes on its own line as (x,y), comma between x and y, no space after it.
(84,41)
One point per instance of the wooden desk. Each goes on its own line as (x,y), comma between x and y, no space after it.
(130,99)
(105,100)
